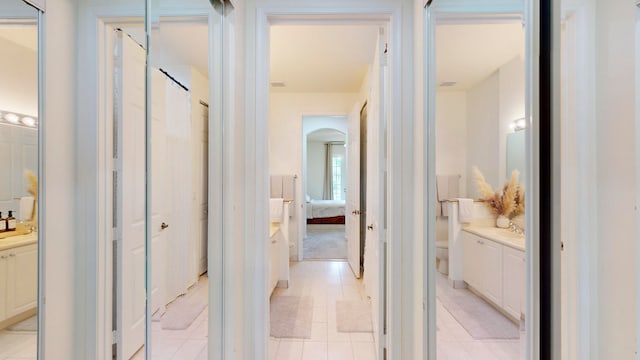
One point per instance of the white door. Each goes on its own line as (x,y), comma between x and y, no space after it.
(374,266)
(201,171)
(130,189)
(353,211)
(22,279)
(161,231)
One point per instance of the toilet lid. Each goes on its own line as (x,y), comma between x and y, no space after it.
(442,244)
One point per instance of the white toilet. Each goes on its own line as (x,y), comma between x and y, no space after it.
(442,256)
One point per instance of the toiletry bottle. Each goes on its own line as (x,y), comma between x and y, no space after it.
(11,222)
(3,223)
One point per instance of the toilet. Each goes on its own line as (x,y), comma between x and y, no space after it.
(442,256)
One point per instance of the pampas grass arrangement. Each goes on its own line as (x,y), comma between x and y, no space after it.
(509,201)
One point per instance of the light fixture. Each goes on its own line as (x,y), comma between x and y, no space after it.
(518,124)
(17,119)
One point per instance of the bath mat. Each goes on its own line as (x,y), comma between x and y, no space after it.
(30,324)
(325,242)
(185,309)
(475,315)
(291,316)
(353,316)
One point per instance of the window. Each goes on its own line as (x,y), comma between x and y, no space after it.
(337,176)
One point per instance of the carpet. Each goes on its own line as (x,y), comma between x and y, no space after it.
(185,309)
(480,319)
(325,242)
(291,316)
(353,316)
(30,324)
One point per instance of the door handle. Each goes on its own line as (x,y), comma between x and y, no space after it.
(370,227)
(164,226)
(356,212)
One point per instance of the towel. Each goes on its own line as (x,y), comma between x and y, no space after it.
(26,208)
(276,186)
(288,187)
(447,187)
(276,210)
(465,210)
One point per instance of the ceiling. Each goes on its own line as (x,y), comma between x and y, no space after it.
(468,54)
(321,58)
(335,58)
(24,35)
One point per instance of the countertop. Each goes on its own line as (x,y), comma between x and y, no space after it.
(502,236)
(18,241)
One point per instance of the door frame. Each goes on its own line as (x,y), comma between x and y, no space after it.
(402,303)
(94,146)
(471,11)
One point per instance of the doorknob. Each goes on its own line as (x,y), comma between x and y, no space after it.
(164,226)
(356,212)
(370,227)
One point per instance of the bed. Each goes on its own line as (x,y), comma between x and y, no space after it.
(325,211)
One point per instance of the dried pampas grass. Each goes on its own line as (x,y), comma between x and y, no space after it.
(509,202)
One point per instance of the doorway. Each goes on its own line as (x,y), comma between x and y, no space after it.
(174,260)
(331,195)
(325,166)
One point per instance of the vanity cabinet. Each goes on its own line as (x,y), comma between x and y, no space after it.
(496,271)
(514,281)
(482,266)
(18,280)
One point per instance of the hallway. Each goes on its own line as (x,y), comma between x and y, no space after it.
(327,282)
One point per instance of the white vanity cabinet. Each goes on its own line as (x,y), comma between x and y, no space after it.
(514,282)
(496,271)
(482,266)
(18,280)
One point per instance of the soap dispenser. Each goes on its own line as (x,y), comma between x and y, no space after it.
(3,223)
(11,222)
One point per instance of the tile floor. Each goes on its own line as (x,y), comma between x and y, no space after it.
(16,345)
(327,282)
(455,343)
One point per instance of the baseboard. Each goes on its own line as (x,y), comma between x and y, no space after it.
(457,284)
(283,284)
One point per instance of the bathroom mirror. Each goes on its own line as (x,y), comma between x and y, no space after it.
(516,153)
(19,124)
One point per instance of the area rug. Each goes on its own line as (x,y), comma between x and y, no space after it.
(30,324)
(475,315)
(325,242)
(353,316)
(185,309)
(291,316)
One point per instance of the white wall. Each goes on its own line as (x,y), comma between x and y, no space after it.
(316,155)
(19,74)
(615,200)
(286,137)
(483,148)
(451,135)
(65,319)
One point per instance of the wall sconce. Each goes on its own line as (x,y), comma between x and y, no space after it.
(17,119)
(519,124)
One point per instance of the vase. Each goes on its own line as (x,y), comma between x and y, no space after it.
(502,222)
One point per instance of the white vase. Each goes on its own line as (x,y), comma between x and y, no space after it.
(502,222)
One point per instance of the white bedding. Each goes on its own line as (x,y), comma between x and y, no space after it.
(325,208)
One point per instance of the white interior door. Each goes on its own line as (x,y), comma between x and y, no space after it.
(161,232)
(181,242)
(201,172)
(130,189)
(352,213)
(374,271)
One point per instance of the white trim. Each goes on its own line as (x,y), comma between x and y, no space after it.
(42,243)
(94,191)
(637,164)
(459,10)
(401,178)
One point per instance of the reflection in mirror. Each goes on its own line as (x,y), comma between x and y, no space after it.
(179,91)
(480,278)
(18,180)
